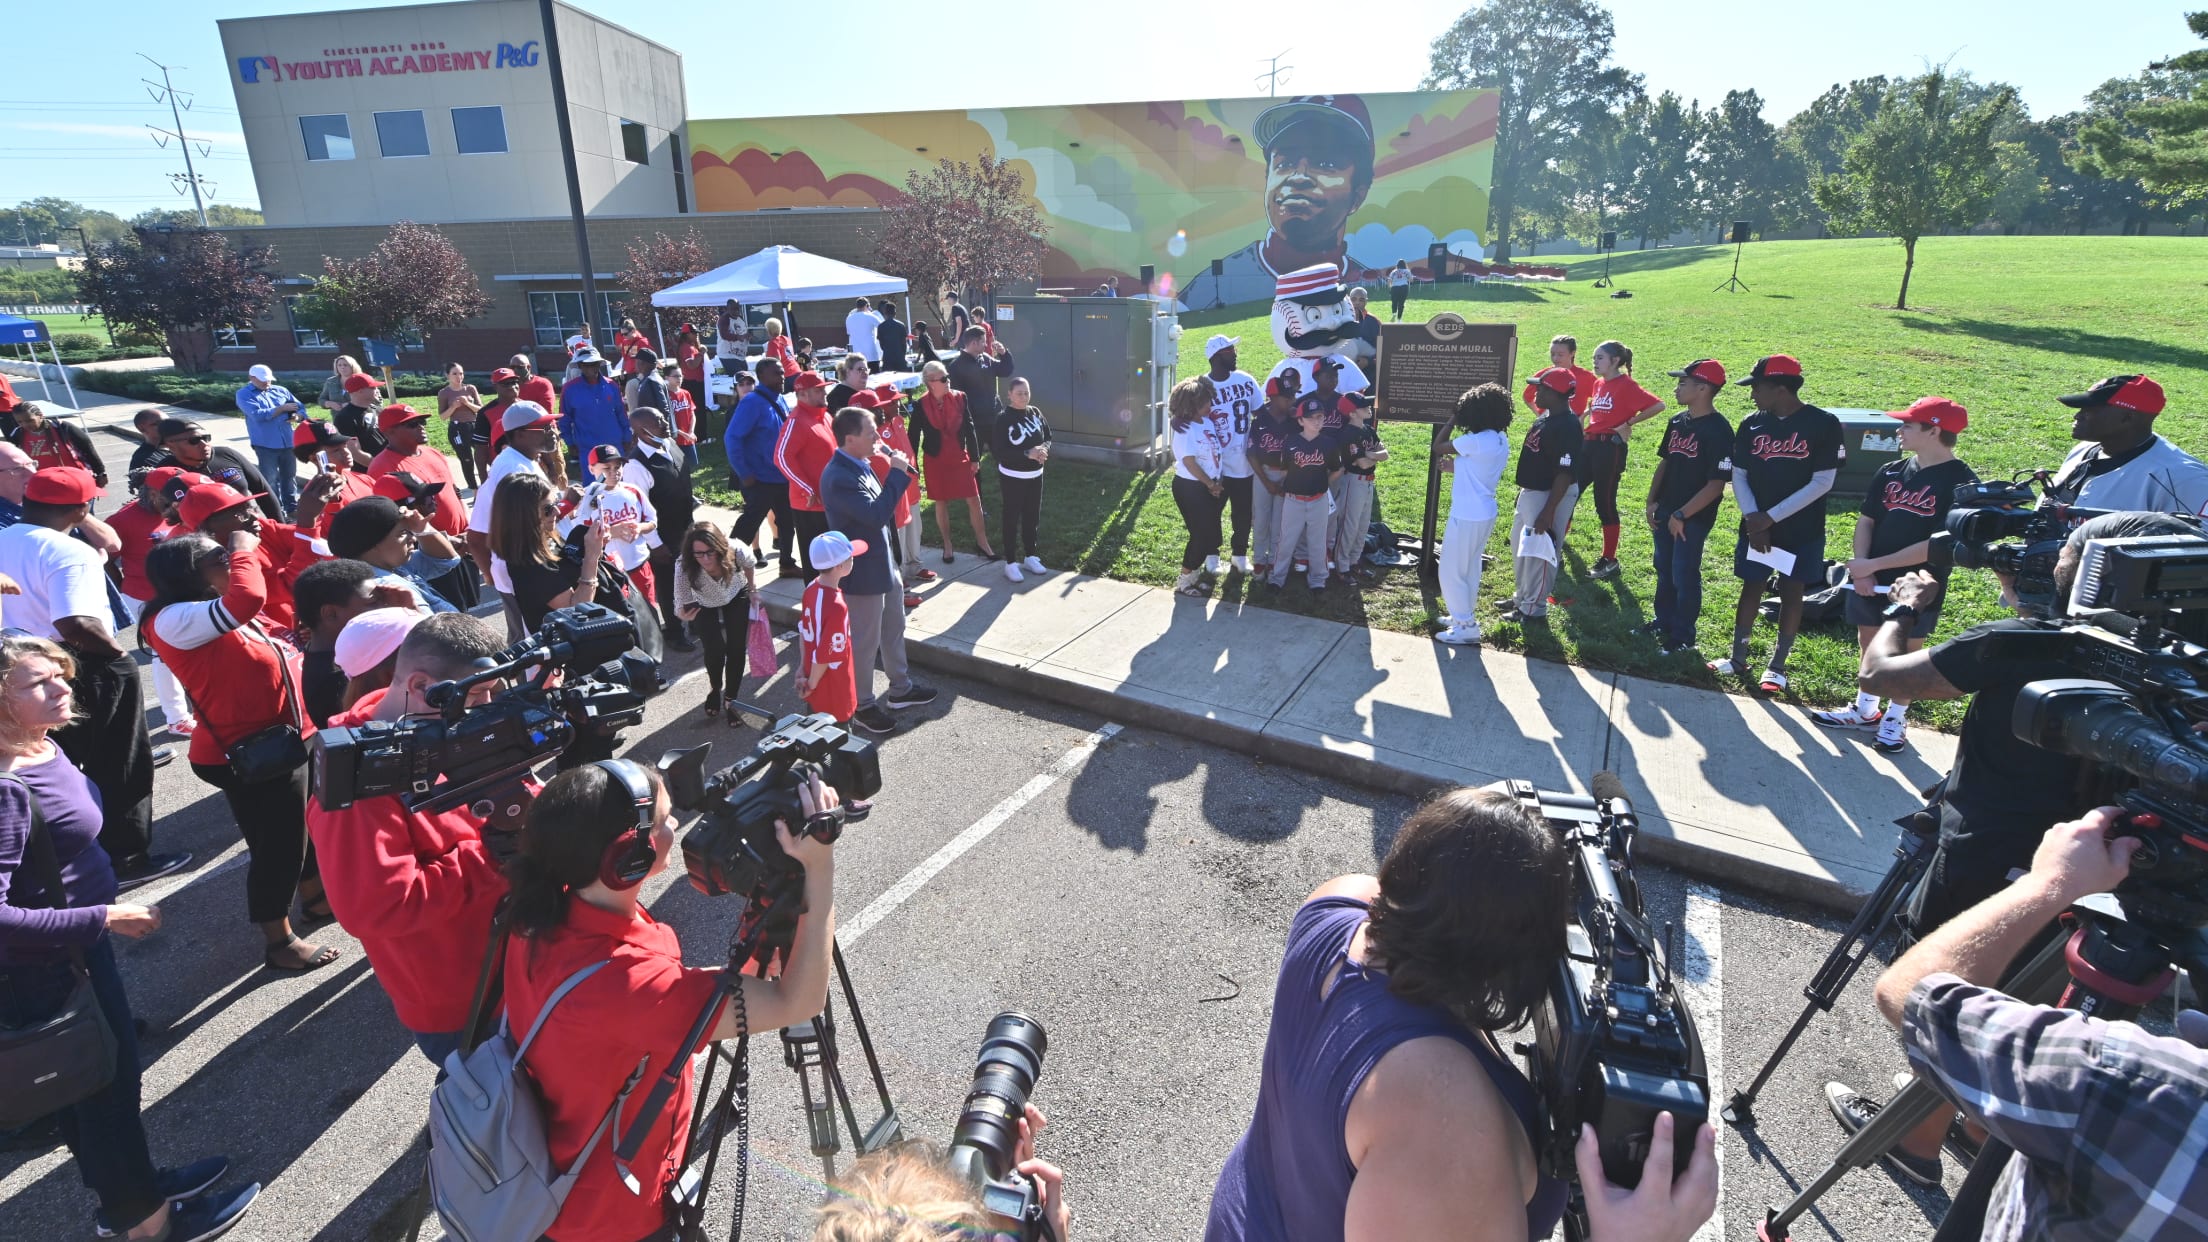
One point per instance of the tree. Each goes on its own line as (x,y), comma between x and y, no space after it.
(1745,172)
(219,216)
(1924,164)
(659,262)
(960,226)
(1660,151)
(414,281)
(1550,59)
(179,286)
(1817,139)
(2162,144)
(54,221)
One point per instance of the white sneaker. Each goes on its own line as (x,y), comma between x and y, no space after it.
(1241,564)
(1460,635)
(1035,565)
(1012,572)
(1211,565)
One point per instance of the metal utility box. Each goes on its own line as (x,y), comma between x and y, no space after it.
(1100,370)
(1872,439)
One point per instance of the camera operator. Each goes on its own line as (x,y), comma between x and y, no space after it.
(2106,1120)
(584,856)
(418,891)
(2003,793)
(2122,464)
(1382,1049)
(910,1193)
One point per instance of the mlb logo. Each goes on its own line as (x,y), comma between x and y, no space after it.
(249,68)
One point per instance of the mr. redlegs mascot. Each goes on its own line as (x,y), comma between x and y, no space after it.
(1311,318)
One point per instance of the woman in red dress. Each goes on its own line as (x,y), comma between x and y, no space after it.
(949,448)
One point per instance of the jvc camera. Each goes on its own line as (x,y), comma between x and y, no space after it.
(733,848)
(2005,528)
(1614,1044)
(984,1147)
(434,762)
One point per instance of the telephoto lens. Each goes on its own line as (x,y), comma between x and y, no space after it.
(988,1134)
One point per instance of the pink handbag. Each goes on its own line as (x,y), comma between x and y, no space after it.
(763,662)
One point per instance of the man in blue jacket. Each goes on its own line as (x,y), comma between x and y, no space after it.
(590,406)
(270,410)
(753,429)
(862,508)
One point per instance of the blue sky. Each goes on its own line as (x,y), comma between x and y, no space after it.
(73,111)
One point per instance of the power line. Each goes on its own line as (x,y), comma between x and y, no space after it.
(1275,74)
(168,93)
(65,105)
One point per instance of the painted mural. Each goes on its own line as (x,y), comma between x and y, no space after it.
(1261,186)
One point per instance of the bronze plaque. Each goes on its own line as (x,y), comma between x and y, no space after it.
(1425,367)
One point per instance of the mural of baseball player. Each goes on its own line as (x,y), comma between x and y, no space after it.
(1318,169)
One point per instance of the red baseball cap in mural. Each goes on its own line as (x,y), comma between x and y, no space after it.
(1709,370)
(1776,364)
(397,412)
(1556,379)
(209,499)
(1345,111)
(1934,412)
(63,485)
(2125,392)
(359,380)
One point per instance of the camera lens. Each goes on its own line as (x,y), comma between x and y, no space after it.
(1011,1060)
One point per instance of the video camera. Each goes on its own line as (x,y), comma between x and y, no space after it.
(984,1147)
(732,849)
(1614,1045)
(435,762)
(2004,527)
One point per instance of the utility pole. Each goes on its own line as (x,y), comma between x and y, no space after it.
(1275,74)
(167,93)
(567,158)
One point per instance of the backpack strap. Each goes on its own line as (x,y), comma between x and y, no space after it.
(558,994)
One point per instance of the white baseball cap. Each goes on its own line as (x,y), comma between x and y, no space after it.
(1219,342)
(261,372)
(832,549)
(369,639)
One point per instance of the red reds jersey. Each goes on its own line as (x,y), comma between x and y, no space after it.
(824,627)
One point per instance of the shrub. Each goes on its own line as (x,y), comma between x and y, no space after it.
(217,393)
(78,342)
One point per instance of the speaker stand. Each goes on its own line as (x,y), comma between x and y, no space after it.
(1733,285)
(1603,282)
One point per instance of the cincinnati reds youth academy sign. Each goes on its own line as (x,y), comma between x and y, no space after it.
(391,59)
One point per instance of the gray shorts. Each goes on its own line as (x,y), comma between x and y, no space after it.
(1871,610)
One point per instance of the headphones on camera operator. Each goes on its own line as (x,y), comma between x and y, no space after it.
(629,857)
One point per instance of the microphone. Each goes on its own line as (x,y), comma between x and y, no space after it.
(1609,790)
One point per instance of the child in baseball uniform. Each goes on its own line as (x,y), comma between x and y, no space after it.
(1548,490)
(1310,461)
(825,677)
(1361,450)
(631,524)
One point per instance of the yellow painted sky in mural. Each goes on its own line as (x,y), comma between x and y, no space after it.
(1261,184)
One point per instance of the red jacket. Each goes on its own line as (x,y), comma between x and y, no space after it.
(418,892)
(233,670)
(807,445)
(139,528)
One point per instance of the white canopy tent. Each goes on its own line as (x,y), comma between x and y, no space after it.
(779,274)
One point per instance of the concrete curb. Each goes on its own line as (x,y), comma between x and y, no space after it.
(1749,874)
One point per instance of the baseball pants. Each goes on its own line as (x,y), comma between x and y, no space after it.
(1352,518)
(1263,517)
(1301,525)
(1535,575)
(1462,543)
(878,628)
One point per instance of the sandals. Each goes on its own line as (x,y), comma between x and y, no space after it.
(322,957)
(949,556)
(1192,591)
(712,705)
(1723,668)
(1772,682)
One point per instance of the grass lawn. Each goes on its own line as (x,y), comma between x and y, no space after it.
(2003,325)
(90,325)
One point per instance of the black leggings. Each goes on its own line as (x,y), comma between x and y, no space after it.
(462,438)
(1606,461)
(724,631)
(272,817)
(1238,509)
(1397,296)
(761,499)
(1200,513)
(1023,512)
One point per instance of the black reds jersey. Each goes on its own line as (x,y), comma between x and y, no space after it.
(1779,456)
(1695,451)
(1908,503)
(1310,463)
(1551,444)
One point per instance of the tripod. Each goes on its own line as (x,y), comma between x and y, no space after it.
(2108,967)
(1733,283)
(1912,854)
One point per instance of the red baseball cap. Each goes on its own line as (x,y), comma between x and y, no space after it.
(503,374)
(864,399)
(174,481)
(1709,370)
(1556,379)
(807,379)
(208,499)
(522,414)
(63,485)
(317,431)
(2125,392)
(1775,364)
(1934,412)
(405,488)
(1345,111)
(1275,388)
(397,412)
(359,380)
(605,453)
(886,394)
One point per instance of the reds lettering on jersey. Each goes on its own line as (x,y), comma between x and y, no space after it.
(1303,452)
(1921,500)
(1794,446)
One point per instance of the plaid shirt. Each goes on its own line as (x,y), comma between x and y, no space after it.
(2109,1122)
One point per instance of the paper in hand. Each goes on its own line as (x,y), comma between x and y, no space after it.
(1535,545)
(1776,557)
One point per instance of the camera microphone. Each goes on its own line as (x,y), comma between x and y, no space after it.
(1608,788)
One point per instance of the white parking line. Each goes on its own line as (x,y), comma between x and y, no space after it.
(1703,970)
(886,904)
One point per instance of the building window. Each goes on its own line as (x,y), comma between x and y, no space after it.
(402,135)
(233,336)
(328,137)
(682,192)
(555,316)
(479,131)
(302,336)
(636,145)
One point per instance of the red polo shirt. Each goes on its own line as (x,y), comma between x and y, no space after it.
(539,389)
(418,892)
(429,466)
(637,1008)
(139,528)
(352,485)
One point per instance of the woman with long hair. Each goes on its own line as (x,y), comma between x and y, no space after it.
(1199,489)
(714,590)
(950,447)
(525,550)
(595,835)
(57,911)
(1386,1107)
(204,621)
(459,404)
(1618,403)
(342,368)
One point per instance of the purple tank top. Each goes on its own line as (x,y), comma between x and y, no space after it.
(1288,1179)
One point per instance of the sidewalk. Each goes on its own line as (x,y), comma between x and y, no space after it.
(1746,791)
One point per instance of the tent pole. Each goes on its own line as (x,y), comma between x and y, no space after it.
(39,367)
(66,386)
